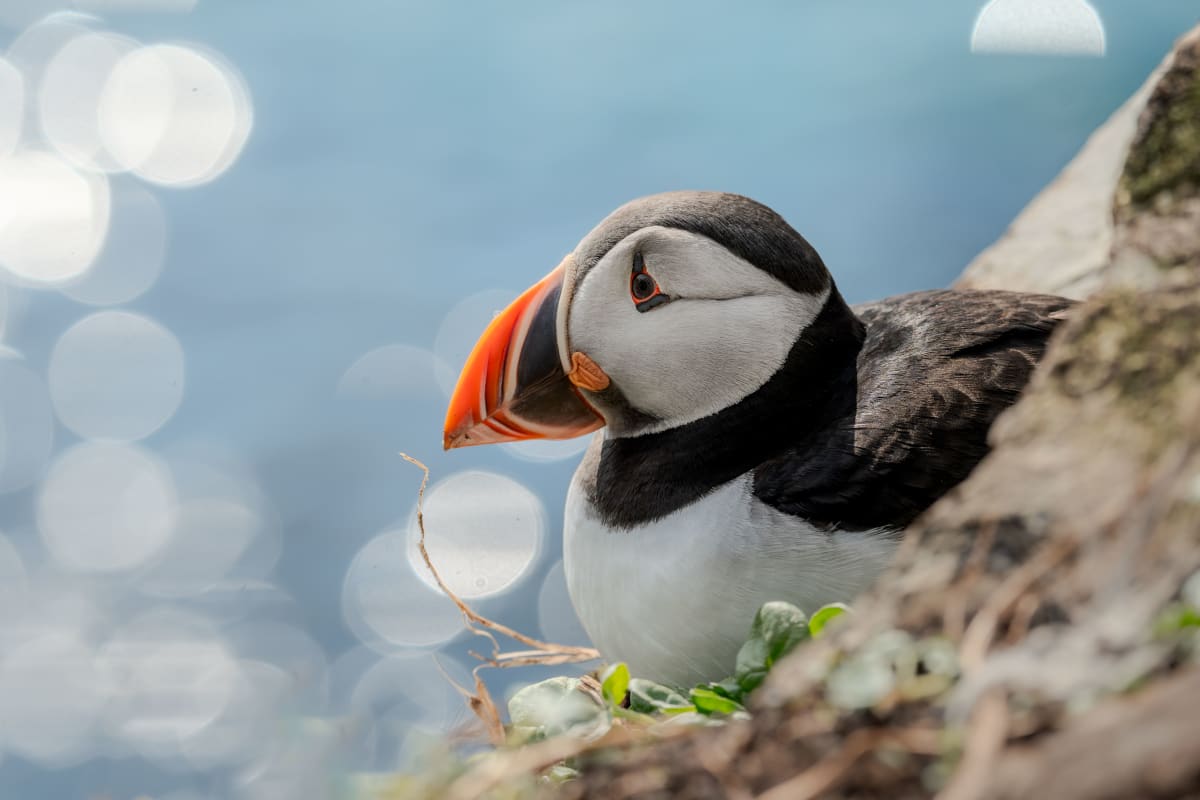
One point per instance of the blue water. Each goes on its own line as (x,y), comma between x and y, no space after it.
(408,155)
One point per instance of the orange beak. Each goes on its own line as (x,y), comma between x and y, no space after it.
(513,386)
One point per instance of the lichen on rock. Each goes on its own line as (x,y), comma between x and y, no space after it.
(1157,207)
(1165,155)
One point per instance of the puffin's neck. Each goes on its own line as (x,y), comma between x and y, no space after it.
(646,477)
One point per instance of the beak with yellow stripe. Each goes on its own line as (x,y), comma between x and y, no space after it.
(519,382)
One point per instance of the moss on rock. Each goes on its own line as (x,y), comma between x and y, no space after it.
(1165,155)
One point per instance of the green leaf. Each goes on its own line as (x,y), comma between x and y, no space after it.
(1176,618)
(751,661)
(825,615)
(778,627)
(649,697)
(708,701)
(615,683)
(728,688)
(554,707)
(781,626)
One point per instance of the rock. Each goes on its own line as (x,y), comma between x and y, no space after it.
(1089,229)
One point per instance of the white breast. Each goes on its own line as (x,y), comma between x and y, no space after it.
(674,599)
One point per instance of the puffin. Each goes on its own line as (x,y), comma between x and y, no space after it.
(755,438)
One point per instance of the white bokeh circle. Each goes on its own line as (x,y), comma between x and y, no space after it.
(133,253)
(69,97)
(211,475)
(174,115)
(53,218)
(1053,27)
(483,533)
(34,48)
(171,676)
(387,606)
(544,451)
(293,650)
(106,508)
(52,694)
(407,699)
(12,107)
(242,730)
(389,373)
(210,536)
(116,375)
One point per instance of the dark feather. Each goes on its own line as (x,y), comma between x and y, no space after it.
(935,371)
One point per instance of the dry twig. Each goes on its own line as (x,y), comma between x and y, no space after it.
(539,652)
(826,774)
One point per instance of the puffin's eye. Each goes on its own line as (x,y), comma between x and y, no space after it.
(643,286)
(644,290)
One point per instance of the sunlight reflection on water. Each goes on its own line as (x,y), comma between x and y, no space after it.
(208,588)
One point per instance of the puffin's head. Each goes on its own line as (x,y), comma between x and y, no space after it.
(673,308)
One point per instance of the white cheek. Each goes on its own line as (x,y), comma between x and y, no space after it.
(692,358)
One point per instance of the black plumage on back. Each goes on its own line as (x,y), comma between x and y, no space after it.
(935,370)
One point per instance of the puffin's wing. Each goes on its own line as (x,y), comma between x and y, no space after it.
(934,372)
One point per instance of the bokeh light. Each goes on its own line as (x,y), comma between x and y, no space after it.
(1056,27)
(391,373)
(55,603)
(52,695)
(541,451)
(170,676)
(387,606)
(106,507)
(484,532)
(12,107)
(116,375)
(53,218)
(209,538)
(69,97)
(173,115)
(133,252)
(26,425)
(48,30)
(242,729)
(207,470)
(405,698)
(291,649)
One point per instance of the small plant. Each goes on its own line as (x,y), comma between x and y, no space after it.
(565,705)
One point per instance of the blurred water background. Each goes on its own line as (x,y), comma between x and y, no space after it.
(246,247)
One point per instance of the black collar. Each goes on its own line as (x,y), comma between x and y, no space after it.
(644,478)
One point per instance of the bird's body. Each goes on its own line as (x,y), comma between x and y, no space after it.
(761,439)
(816,518)
(673,597)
